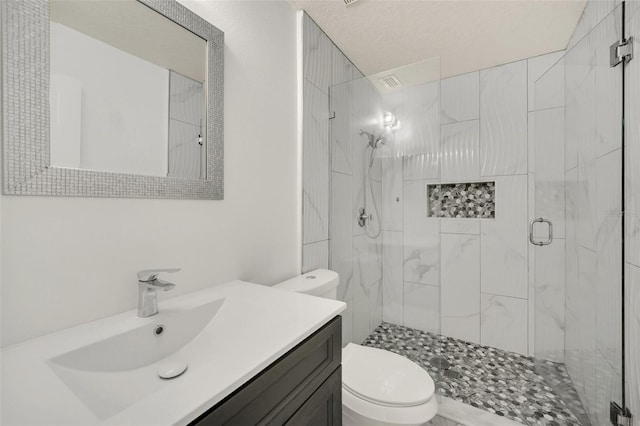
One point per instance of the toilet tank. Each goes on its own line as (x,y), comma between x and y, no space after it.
(321,282)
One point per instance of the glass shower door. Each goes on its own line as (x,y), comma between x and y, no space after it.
(576,223)
(384,134)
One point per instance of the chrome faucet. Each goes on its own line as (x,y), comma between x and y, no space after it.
(148,285)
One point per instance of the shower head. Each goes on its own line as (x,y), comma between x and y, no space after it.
(369,135)
(374,141)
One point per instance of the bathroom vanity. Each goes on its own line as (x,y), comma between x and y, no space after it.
(302,387)
(253,354)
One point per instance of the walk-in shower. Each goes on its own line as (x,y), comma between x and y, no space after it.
(501,324)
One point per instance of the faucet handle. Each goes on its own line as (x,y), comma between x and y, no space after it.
(152,274)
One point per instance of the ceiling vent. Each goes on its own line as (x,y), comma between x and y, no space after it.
(391,81)
(349,2)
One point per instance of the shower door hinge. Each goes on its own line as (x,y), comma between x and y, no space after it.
(621,51)
(332,115)
(619,416)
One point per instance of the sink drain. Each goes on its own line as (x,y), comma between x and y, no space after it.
(445,366)
(172,369)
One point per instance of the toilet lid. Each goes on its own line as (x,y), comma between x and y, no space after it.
(384,378)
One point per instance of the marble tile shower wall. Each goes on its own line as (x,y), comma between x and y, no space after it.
(333,179)
(467,278)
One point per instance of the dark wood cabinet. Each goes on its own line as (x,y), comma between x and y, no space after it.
(303,387)
(324,407)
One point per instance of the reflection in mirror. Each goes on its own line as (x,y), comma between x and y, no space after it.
(127,90)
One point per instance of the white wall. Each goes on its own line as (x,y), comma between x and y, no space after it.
(66,261)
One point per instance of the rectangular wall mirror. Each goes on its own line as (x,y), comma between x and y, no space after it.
(111,99)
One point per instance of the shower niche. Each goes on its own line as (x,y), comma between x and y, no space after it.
(475,200)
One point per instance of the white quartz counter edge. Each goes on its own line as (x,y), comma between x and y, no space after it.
(182,401)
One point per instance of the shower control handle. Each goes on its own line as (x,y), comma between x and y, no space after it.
(363,217)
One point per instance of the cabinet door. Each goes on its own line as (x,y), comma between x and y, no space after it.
(324,407)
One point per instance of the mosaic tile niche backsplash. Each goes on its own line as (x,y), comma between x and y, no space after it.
(462,200)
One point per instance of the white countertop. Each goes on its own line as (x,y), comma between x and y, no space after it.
(253,327)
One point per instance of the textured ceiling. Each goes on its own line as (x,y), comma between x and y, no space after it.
(379,35)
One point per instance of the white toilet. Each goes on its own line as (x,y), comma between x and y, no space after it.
(379,388)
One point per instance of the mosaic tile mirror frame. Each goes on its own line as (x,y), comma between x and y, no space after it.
(26,114)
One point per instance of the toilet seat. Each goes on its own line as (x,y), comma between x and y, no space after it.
(384,378)
(358,412)
(380,388)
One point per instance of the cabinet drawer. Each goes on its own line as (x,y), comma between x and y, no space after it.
(324,407)
(276,393)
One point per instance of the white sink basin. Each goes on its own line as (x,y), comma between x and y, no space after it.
(141,346)
(106,372)
(128,362)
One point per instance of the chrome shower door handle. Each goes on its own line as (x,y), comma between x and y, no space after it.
(540,243)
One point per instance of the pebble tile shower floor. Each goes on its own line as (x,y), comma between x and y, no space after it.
(519,387)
